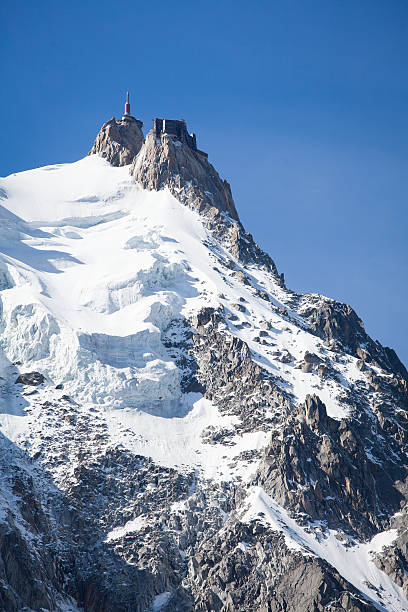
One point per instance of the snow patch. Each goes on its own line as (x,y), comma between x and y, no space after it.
(130,527)
(353,561)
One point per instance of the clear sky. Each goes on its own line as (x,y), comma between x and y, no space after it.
(302,106)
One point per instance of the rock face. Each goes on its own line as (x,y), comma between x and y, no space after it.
(119,141)
(223,364)
(337,322)
(166,161)
(223,570)
(323,455)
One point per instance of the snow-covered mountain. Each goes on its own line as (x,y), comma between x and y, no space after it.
(179,430)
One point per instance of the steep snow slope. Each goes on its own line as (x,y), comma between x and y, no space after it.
(93,271)
(354,563)
(98,270)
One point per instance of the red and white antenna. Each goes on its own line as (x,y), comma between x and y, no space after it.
(127,105)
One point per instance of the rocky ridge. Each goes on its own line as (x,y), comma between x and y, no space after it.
(165,161)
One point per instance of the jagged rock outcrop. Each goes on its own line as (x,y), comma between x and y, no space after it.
(240,244)
(119,141)
(337,322)
(309,448)
(393,560)
(224,362)
(310,467)
(165,161)
(246,567)
(29,576)
(32,379)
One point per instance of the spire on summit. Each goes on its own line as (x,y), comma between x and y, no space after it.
(119,140)
(127,106)
(127,116)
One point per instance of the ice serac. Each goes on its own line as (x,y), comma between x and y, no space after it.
(166,161)
(119,140)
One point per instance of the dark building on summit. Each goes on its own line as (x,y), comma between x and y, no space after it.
(177,128)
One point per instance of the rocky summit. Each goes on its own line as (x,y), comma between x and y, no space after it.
(119,140)
(179,430)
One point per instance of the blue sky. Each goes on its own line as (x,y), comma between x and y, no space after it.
(302,106)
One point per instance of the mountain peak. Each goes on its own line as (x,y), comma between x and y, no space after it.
(177,426)
(170,158)
(119,140)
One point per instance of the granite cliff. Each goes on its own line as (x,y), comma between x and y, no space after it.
(119,140)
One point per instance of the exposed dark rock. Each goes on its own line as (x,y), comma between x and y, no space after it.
(315,413)
(337,322)
(30,378)
(323,370)
(23,576)
(310,361)
(393,560)
(240,307)
(321,456)
(248,567)
(241,277)
(28,579)
(166,161)
(311,358)
(178,338)
(231,378)
(67,533)
(286,357)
